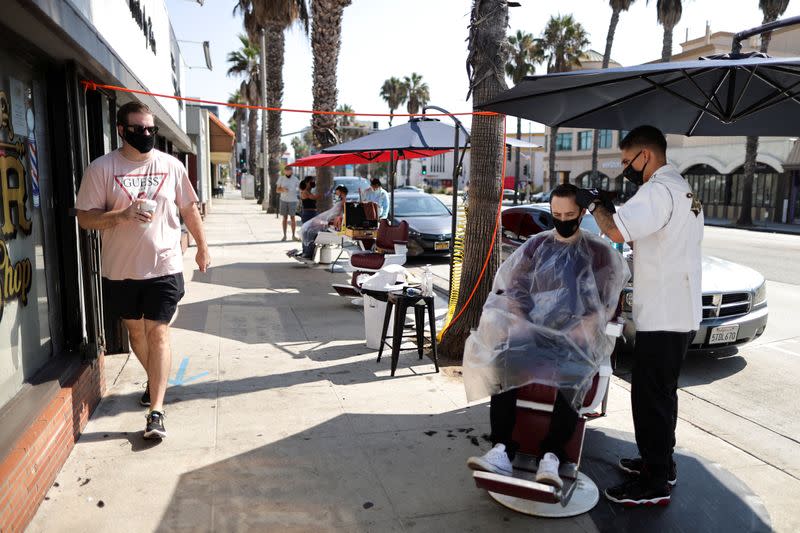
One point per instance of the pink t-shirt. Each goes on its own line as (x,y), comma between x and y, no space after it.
(131,251)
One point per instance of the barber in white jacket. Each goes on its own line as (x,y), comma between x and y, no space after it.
(664,223)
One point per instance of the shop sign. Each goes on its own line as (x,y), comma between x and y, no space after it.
(145,23)
(15,278)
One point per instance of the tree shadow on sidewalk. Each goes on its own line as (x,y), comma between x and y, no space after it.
(326,479)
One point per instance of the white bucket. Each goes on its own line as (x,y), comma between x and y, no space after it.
(374,313)
(325,255)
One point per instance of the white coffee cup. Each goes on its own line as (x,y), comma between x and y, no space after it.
(147,206)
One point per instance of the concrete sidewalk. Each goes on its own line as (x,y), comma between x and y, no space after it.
(281,420)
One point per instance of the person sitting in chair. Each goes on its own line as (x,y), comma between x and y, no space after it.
(544,322)
(310,229)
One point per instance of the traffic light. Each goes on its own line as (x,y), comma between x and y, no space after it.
(243,157)
(424,170)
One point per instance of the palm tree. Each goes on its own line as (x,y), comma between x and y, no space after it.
(772,9)
(275,17)
(326,39)
(524,54)
(669,14)
(418,93)
(486,60)
(244,63)
(395,92)
(617,6)
(239,114)
(563,42)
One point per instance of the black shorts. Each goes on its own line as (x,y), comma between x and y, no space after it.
(153,299)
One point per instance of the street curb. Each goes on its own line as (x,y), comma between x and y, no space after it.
(757,229)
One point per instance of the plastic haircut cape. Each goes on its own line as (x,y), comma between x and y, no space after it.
(310,229)
(545,319)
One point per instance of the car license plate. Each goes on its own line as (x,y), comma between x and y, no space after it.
(444,245)
(723,334)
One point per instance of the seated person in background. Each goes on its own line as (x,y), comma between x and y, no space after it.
(378,195)
(544,322)
(321,222)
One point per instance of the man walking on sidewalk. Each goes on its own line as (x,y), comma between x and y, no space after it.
(665,223)
(288,186)
(133,196)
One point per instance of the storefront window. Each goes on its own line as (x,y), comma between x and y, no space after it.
(25,339)
(604,139)
(563,142)
(585,140)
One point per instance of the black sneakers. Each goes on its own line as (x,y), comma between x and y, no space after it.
(145,399)
(155,426)
(635,492)
(634,467)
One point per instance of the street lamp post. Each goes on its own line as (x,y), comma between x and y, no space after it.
(457,166)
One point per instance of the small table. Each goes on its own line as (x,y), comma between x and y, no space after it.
(403,301)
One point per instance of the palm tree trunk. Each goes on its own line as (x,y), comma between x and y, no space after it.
(486,57)
(612,28)
(551,163)
(516,161)
(666,49)
(275,52)
(751,153)
(326,40)
(252,132)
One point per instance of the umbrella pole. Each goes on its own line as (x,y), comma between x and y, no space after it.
(391,185)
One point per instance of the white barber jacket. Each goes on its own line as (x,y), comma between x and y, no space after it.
(665,222)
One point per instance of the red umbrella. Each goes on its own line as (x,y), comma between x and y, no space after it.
(361,158)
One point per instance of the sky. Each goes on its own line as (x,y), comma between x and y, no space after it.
(385,38)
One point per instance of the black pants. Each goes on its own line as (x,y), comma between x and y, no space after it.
(658,357)
(502,416)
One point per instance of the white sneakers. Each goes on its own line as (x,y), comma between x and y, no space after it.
(547,473)
(495,460)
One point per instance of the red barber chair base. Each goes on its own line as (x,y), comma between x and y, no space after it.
(583,496)
(521,492)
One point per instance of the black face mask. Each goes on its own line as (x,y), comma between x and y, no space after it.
(631,174)
(567,228)
(141,142)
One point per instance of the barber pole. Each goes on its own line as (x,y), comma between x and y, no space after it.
(33,158)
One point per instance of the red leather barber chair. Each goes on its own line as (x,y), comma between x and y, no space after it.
(521,492)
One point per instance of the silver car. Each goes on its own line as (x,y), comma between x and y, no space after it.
(734,296)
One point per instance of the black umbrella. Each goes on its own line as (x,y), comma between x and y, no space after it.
(418,133)
(749,96)
(734,94)
(423,133)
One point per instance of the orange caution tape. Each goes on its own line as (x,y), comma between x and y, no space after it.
(93,86)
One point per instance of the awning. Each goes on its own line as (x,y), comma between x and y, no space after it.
(793,159)
(221,142)
(517,143)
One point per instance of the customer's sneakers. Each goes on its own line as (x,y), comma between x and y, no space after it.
(634,466)
(634,492)
(548,471)
(495,460)
(283,239)
(295,238)
(145,399)
(155,426)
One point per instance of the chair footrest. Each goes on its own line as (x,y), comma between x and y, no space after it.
(517,487)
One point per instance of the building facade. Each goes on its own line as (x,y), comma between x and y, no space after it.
(712,165)
(53,332)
